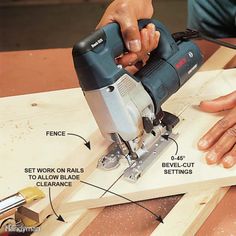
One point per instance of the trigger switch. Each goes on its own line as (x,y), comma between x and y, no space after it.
(147,124)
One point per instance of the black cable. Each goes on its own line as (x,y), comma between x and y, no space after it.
(194,34)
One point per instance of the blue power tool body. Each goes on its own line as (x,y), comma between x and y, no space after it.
(126,107)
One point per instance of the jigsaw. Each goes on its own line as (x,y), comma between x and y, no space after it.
(126,107)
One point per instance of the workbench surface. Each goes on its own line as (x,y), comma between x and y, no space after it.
(26,72)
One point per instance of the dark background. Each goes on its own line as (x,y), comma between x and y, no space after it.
(39,24)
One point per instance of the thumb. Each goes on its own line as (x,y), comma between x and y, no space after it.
(219,104)
(130,32)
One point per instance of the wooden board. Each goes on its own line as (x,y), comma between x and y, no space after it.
(219,60)
(39,211)
(197,206)
(23,143)
(190,212)
(205,85)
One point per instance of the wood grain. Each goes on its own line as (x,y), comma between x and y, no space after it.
(23,123)
(190,212)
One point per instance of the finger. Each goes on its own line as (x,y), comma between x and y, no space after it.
(132,58)
(157,39)
(217,130)
(148,45)
(223,146)
(131,69)
(143,54)
(219,104)
(128,59)
(229,159)
(144,40)
(126,18)
(140,64)
(130,32)
(151,33)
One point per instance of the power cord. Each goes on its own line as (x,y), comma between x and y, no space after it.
(194,34)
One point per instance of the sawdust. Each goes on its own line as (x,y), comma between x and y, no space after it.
(22,129)
(130,219)
(222,221)
(29,125)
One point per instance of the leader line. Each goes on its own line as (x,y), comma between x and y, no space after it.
(158,217)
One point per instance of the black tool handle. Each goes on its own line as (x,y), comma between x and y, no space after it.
(115,44)
(94,56)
